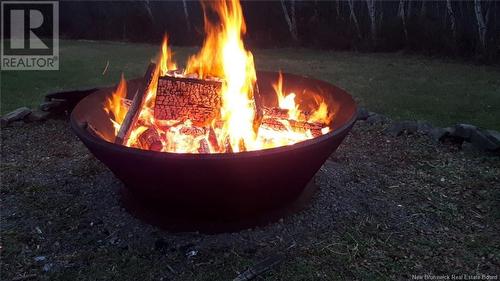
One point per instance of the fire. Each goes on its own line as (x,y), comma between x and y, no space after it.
(224,55)
(240,124)
(115,107)
(166,62)
(286,101)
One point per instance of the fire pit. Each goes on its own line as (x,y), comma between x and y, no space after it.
(224,185)
(216,140)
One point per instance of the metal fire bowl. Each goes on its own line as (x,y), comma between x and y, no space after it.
(218,186)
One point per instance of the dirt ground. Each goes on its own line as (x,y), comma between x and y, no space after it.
(386,208)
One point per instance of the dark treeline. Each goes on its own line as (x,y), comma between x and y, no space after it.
(468,29)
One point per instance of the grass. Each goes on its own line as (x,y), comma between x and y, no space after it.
(400,86)
(381,212)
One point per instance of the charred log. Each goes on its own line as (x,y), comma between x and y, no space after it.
(277,119)
(135,108)
(227,144)
(204,148)
(259,109)
(295,126)
(193,131)
(150,139)
(187,98)
(212,138)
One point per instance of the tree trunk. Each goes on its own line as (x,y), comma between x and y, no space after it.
(370,4)
(401,13)
(354,18)
(148,11)
(481,25)
(408,12)
(186,14)
(451,14)
(487,18)
(422,10)
(292,15)
(290,19)
(338,8)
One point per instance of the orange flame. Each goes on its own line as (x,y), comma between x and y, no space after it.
(115,106)
(286,101)
(166,62)
(223,55)
(146,117)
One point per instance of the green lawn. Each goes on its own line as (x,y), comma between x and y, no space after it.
(401,86)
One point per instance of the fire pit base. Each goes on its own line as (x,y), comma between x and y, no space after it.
(166,219)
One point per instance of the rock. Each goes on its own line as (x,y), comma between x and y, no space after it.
(424,127)
(55,105)
(363,114)
(191,253)
(410,126)
(47,267)
(70,98)
(398,128)
(37,115)
(464,131)
(40,258)
(15,115)
(438,134)
(394,130)
(376,119)
(493,136)
(469,147)
(482,141)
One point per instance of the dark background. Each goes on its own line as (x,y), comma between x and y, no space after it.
(318,24)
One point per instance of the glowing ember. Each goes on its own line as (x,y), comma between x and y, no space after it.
(238,126)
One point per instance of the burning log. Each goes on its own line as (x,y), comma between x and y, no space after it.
(277,119)
(193,131)
(212,138)
(259,109)
(180,98)
(135,107)
(227,144)
(241,145)
(150,139)
(204,148)
(296,126)
(280,113)
(276,112)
